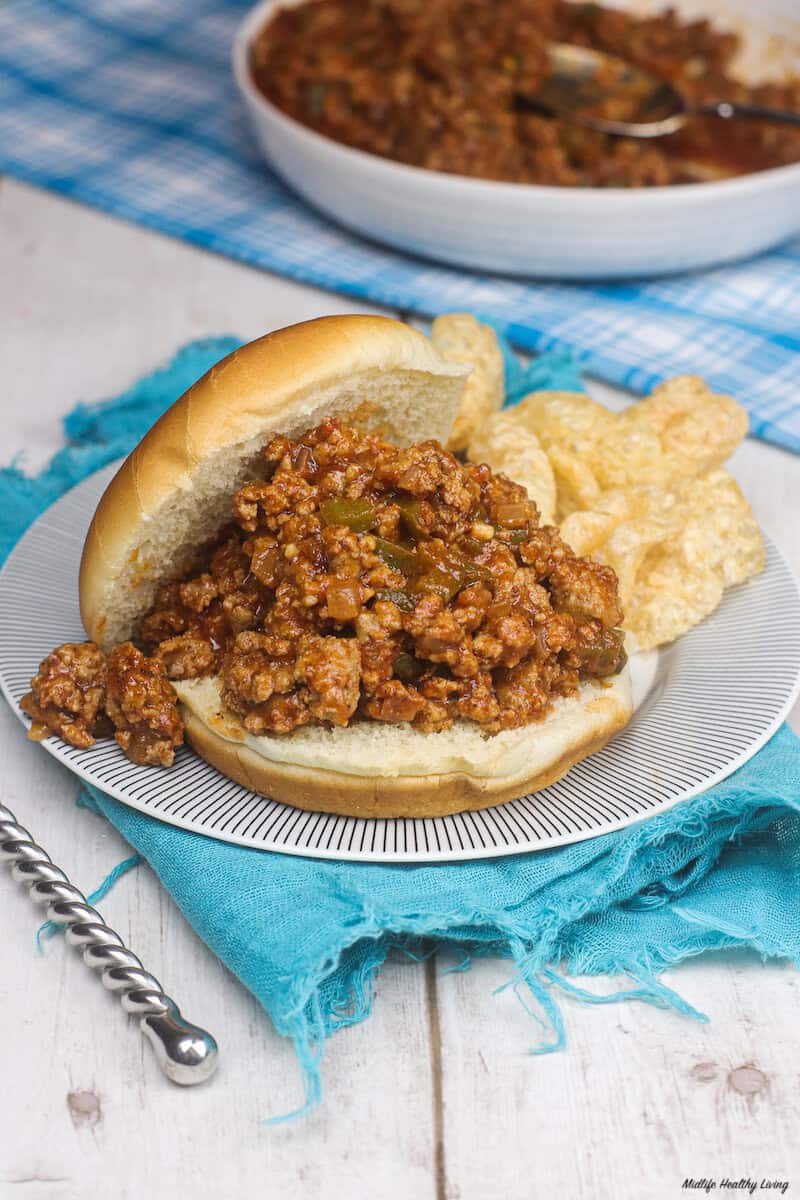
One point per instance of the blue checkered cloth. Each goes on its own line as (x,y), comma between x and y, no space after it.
(130,106)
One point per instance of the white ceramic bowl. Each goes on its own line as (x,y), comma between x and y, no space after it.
(525,229)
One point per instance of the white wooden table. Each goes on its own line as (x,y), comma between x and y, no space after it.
(434,1096)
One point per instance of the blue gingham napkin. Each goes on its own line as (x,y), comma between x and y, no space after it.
(130,106)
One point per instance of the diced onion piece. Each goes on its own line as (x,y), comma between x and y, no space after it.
(344,599)
(513,516)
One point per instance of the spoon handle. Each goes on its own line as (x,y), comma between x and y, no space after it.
(729,111)
(185,1053)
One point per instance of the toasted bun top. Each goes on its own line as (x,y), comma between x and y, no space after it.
(173,492)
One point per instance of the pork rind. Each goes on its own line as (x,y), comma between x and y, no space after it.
(516,452)
(459,337)
(698,429)
(674,548)
(718,543)
(681,430)
(643,491)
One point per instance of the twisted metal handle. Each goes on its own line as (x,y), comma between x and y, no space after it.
(186,1053)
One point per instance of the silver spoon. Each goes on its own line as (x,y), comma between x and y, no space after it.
(583,81)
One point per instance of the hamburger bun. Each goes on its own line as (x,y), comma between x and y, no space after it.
(370,769)
(172,495)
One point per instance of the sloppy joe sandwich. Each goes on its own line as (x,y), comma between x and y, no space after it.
(294,573)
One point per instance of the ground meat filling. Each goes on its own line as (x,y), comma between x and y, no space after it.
(357,581)
(447,85)
(68,694)
(81,694)
(142,706)
(363,581)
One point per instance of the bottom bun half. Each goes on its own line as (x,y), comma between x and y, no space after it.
(372,769)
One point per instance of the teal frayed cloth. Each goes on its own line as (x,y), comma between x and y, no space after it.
(308,937)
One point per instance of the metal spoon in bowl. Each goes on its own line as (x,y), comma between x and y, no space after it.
(607,93)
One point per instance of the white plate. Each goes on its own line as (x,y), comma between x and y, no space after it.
(523,229)
(703,707)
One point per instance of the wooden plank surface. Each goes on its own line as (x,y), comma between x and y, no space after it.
(435,1095)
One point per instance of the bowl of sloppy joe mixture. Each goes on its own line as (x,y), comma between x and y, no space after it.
(391,117)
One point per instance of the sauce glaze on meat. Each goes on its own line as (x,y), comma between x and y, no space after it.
(357,581)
